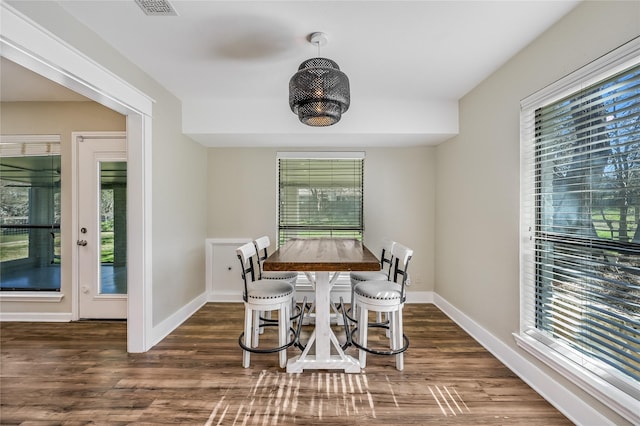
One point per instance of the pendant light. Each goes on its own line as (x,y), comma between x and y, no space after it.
(319,91)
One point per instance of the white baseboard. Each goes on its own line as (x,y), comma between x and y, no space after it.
(573,407)
(163,329)
(36,316)
(225,297)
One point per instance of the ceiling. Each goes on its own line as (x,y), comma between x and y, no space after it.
(229,62)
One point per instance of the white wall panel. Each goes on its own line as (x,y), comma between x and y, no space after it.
(223,270)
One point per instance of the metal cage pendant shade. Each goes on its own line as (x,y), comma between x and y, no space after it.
(319,92)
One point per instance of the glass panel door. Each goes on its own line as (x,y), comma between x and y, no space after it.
(102,227)
(113,227)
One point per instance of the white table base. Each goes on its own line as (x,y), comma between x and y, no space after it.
(323,339)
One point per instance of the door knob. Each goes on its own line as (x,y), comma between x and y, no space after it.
(82,242)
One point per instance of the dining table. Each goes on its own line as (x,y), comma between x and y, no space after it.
(322,260)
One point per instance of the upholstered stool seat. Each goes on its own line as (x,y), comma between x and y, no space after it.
(268,291)
(382,291)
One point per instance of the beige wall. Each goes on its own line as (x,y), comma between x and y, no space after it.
(178,167)
(399,199)
(179,213)
(57,118)
(477,202)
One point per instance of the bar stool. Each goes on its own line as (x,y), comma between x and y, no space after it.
(384,297)
(263,296)
(357,277)
(262,245)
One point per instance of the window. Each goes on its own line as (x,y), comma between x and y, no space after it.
(320,195)
(580,276)
(30,212)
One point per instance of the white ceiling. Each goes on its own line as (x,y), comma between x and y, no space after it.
(230,62)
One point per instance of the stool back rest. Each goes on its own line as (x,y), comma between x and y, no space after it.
(387,256)
(246,254)
(262,244)
(401,257)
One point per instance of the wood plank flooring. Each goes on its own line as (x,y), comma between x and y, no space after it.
(80,373)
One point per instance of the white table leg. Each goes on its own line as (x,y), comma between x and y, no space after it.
(335,317)
(323,338)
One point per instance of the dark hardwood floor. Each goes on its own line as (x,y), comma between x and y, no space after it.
(80,373)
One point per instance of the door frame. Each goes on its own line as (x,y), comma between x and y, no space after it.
(31,46)
(76,139)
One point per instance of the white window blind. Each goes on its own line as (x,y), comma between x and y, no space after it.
(581,210)
(320,195)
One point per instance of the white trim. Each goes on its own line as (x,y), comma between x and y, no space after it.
(623,403)
(35,317)
(355,155)
(609,64)
(622,58)
(31,296)
(166,327)
(573,407)
(139,230)
(36,49)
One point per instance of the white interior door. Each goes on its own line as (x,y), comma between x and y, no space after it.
(102,229)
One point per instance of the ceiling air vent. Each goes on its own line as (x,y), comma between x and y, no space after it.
(156,7)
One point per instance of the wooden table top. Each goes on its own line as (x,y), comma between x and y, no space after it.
(322,254)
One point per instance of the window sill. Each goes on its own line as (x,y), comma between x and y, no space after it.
(30,296)
(611,396)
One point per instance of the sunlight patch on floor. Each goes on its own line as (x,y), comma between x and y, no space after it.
(276,397)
